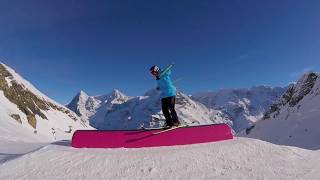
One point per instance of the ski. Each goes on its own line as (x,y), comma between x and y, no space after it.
(170,129)
(147,128)
(166,70)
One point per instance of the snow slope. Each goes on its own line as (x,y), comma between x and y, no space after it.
(27,115)
(10,130)
(241,158)
(295,119)
(245,106)
(118,111)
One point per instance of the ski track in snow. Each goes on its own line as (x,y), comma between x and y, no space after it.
(241,158)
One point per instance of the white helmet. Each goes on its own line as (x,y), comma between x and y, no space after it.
(154,69)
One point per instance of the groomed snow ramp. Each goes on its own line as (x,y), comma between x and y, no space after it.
(148,138)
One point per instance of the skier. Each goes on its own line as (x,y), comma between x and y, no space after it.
(168,94)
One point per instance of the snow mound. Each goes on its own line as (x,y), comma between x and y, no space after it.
(241,158)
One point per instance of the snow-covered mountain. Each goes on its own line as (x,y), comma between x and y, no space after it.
(84,105)
(91,108)
(118,111)
(28,115)
(295,118)
(245,106)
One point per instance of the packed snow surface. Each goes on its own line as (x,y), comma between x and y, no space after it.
(241,158)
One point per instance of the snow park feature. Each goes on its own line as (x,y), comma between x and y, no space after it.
(151,137)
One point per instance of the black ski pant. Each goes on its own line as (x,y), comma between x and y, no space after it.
(168,109)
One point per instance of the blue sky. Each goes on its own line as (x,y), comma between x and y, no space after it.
(65,46)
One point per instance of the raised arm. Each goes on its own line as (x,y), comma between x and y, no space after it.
(165,71)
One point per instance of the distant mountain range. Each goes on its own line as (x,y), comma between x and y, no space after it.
(245,106)
(118,111)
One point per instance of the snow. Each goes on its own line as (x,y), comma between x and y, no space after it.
(8,79)
(241,158)
(84,105)
(88,106)
(56,127)
(10,150)
(10,129)
(296,125)
(60,122)
(246,106)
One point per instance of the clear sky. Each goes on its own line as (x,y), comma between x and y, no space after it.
(63,46)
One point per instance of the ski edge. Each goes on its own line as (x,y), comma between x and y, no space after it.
(170,129)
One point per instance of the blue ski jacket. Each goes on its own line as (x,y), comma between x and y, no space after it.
(166,86)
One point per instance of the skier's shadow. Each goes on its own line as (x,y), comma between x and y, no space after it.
(4,157)
(66,143)
(140,138)
(138,132)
